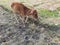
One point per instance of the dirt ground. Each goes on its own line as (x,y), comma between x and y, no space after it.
(13,33)
(44,32)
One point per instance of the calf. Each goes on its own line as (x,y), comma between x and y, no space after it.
(24,11)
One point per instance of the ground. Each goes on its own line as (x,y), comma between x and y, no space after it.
(44,32)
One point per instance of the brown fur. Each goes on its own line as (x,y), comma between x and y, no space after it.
(23,10)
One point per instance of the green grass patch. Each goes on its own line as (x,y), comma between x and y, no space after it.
(48,13)
(58,9)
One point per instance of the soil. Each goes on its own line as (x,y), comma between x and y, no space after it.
(14,33)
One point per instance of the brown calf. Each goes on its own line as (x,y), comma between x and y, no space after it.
(23,10)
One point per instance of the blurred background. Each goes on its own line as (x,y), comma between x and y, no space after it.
(47,32)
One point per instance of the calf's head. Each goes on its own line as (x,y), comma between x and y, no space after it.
(34,14)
